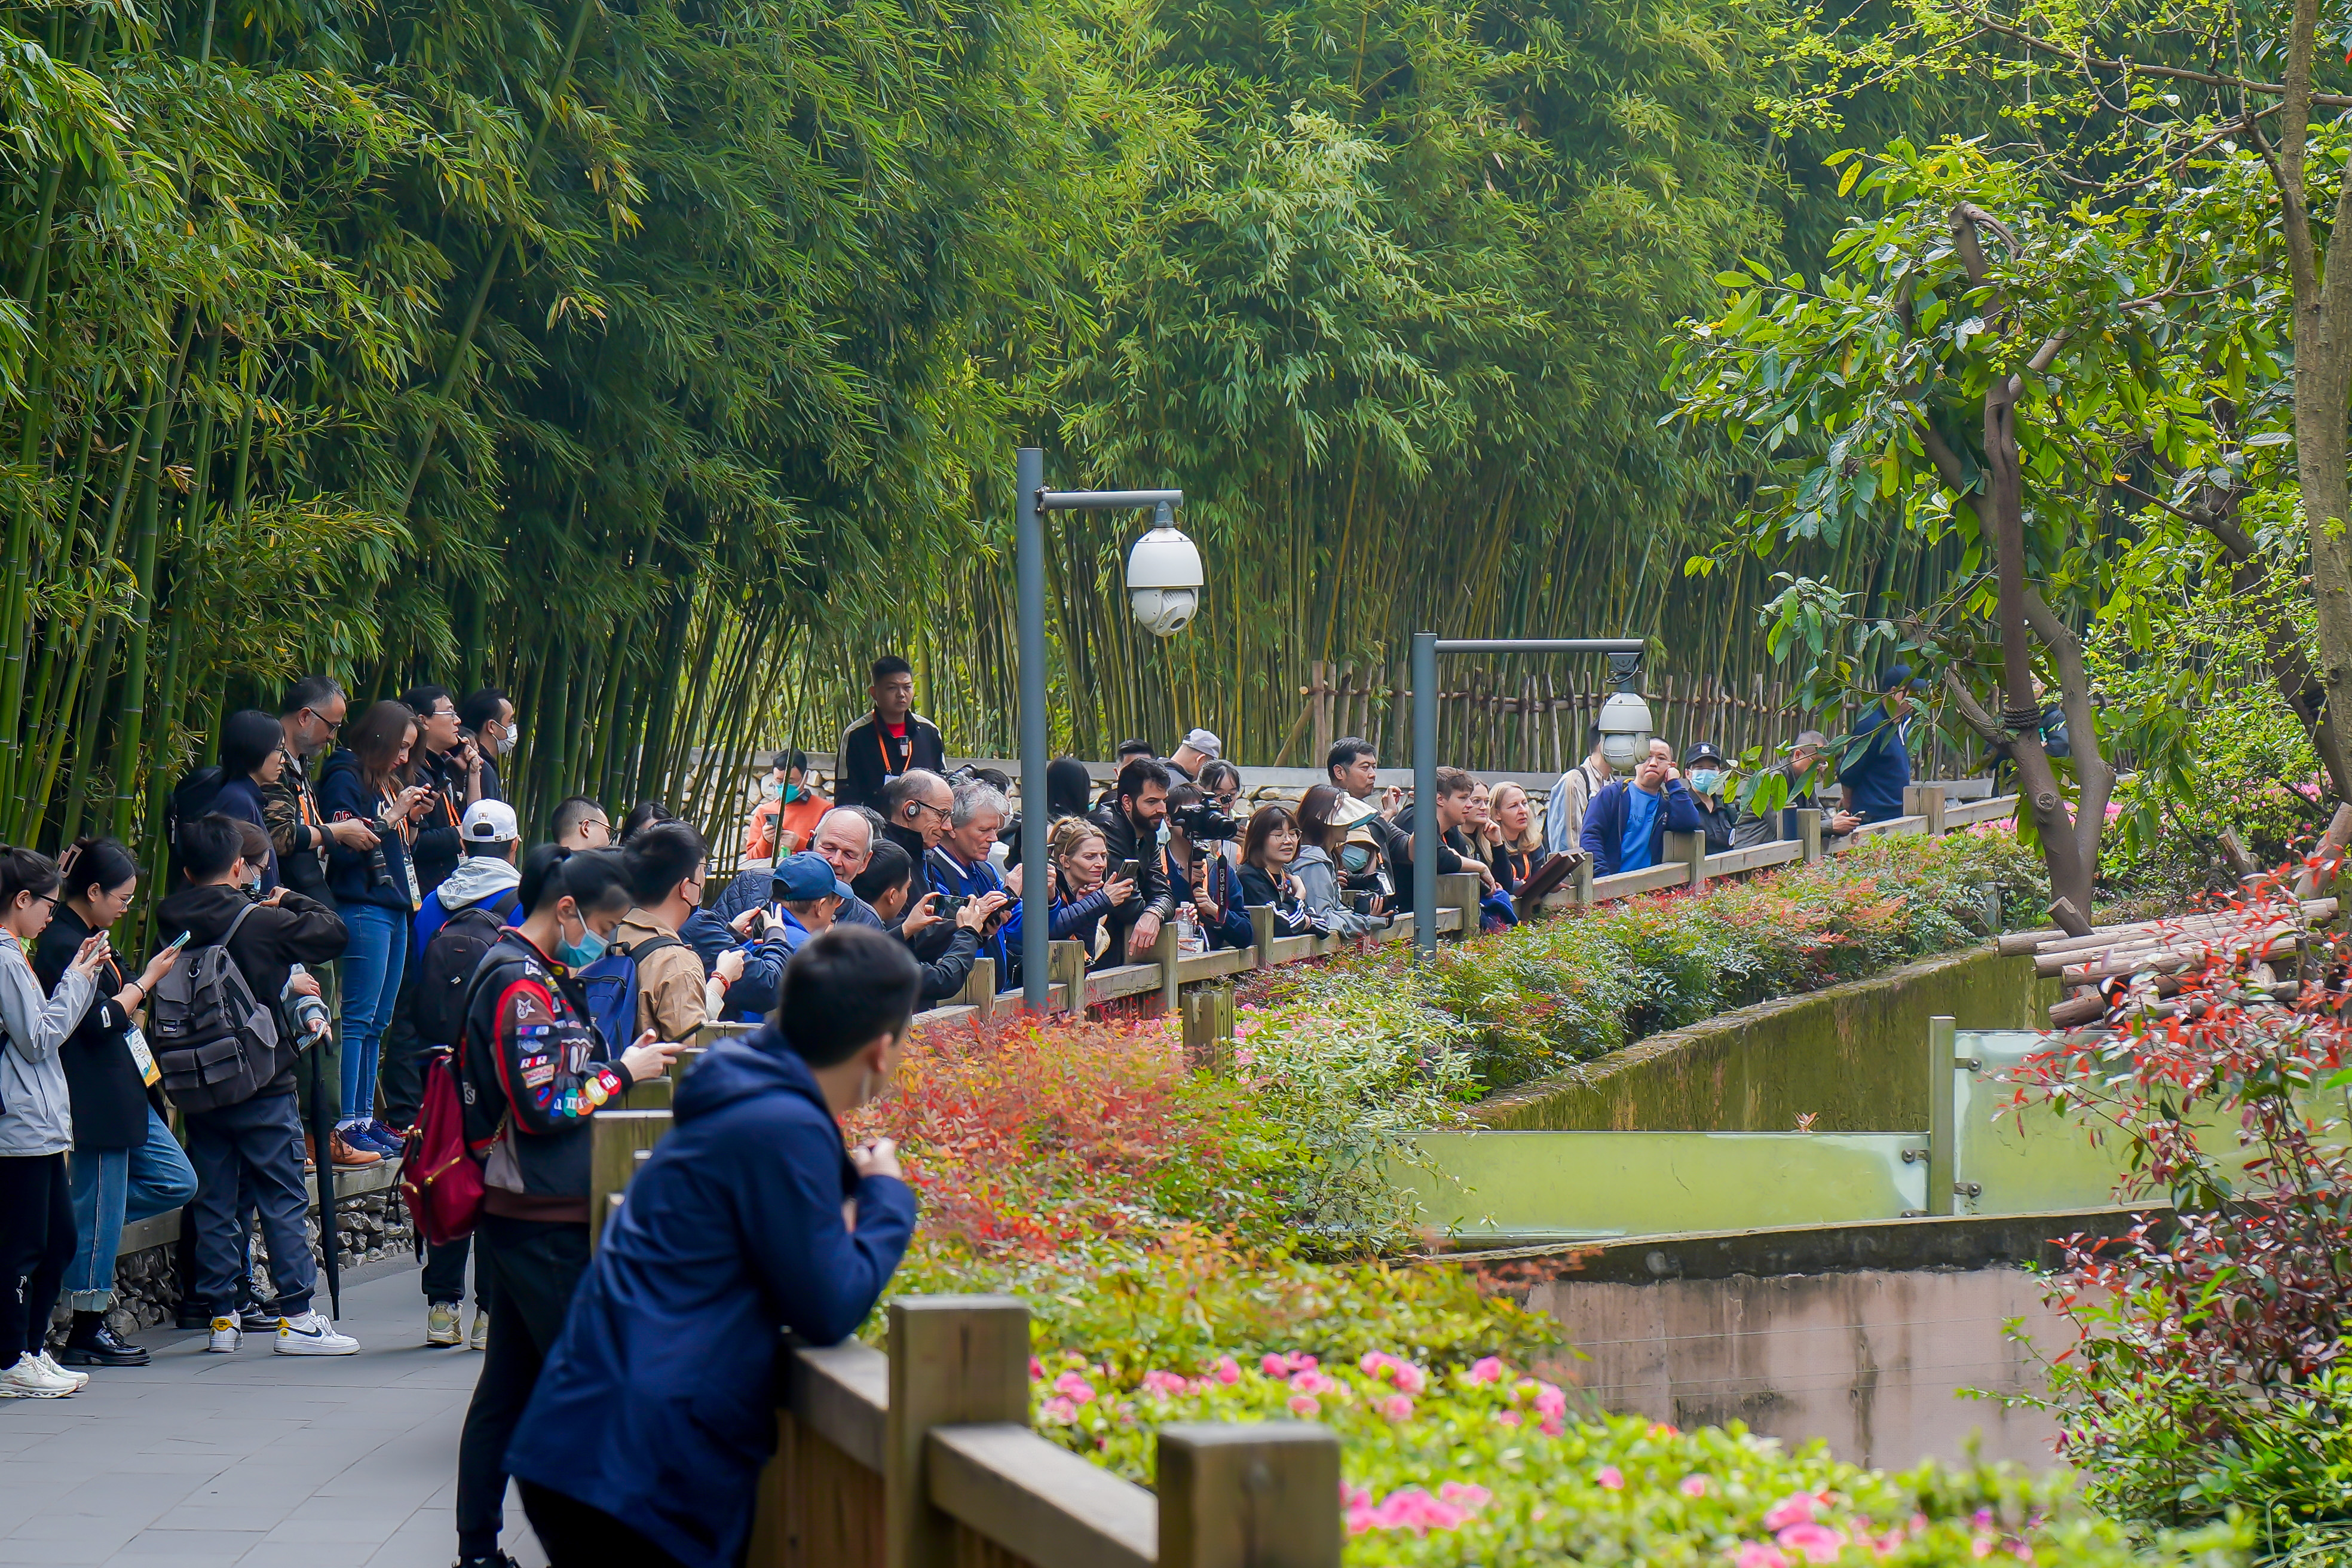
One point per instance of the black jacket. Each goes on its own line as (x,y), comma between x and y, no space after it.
(933,943)
(865,759)
(532,1050)
(297,929)
(343,793)
(103,1085)
(435,852)
(1399,848)
(1152,894)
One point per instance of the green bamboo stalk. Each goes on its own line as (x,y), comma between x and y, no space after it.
(78,793)
(129,738)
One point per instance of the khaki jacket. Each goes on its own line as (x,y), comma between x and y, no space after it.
(671,992)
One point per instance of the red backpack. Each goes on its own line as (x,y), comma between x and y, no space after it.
(440,1180)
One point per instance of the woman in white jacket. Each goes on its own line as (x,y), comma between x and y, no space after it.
(36,1227)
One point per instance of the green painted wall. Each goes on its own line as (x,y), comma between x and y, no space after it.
(1852,1057)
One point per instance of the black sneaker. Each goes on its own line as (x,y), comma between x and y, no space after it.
(260,1318)
(101,1347)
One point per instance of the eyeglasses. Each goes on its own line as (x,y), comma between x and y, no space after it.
(945,811)
(334,726)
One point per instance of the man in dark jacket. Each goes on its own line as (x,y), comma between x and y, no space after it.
(748,1220)
(921,811)
(257,1142)
(491,718)
(1626,826)
(845,837)
(1130,828)
(535,1072)
(888,743)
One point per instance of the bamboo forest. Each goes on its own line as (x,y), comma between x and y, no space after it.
(662,360)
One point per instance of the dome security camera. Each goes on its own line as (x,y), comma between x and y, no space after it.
(1624,730)
(1164,579)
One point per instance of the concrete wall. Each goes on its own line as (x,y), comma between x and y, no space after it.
(1852,1057)
(1861,1335)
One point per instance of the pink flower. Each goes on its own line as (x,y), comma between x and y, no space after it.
(1310,1382)
(1550,1400)
(1397,1407)
(1487,1369)
(1058,1412)
(1980,1547)
(1037,1368)
(1756,1554)
(1410,1507)
(1409,1378)
(1815,1542)
(1694,1486)
(1552,1425)
(1797,1508)
(1509,1417)
(1077,1387)
(1167,1384)
(1469,1494)
(1228,1370)
(1611,1477)
(1304,1405)
(1373,1361)
(1300,1361)
(1272,1366)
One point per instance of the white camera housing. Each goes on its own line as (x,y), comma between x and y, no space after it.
(1624,730)
(1163,581)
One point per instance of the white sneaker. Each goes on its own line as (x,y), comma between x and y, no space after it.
(441,1324)
(80,1380)
(28,1379)
(226,1335)
(481,1337)
(311,1334)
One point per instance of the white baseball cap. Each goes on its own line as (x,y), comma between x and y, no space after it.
(490,821)
(1208,746)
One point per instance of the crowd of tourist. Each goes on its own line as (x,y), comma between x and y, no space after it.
(351,896)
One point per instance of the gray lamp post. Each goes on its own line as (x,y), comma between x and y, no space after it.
(1163,584)
(1624,736)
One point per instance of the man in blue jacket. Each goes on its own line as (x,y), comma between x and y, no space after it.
(645,1439)
(1877,767)
(1626,826)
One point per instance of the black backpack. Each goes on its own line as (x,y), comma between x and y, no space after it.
(447,965)
(214,1045)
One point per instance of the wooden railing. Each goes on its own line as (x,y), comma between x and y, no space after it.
(923,1458)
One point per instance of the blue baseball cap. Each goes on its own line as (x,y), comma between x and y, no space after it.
(808,875)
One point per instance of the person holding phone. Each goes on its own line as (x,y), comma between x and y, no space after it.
(1086,887)
(36,1223)
(375,889)
(126,1164)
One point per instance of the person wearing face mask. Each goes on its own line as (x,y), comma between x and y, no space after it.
(1706,771)
(785,820)
(251,1152)
(1314,871)
(535,1073)
(491,718)
(633,1452)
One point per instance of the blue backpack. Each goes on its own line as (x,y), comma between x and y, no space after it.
(611,983)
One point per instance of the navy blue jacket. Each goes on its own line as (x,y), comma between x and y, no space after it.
(658,1403)
(344,795)
(1604,824)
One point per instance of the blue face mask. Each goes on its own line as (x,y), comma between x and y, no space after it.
(1705,780)
(580,955)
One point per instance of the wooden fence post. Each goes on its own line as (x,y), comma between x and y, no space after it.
(1925,799)
(978,991)
(618,1140)
(1255,1495)
(1689,849)
(1809,834)
(1459,890)
(1065,965)
(955,1361)
(1318,689)
(1583,883)
(1208,1029)
(1262,925)
(1164,952)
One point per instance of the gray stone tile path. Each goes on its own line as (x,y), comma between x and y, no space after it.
(258,1459)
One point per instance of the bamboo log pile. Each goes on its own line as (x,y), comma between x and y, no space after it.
(2165,950)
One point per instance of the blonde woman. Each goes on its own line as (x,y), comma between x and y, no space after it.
(1079,857)
(1513,839)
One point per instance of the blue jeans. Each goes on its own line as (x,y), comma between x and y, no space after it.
(373,960)
(115,1187)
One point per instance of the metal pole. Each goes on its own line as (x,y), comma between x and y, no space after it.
(1029,554)
(1426,833)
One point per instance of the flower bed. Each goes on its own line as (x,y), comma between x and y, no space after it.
(1195,1249)
(1531,1001)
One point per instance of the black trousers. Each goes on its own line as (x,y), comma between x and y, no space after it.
(251,1151)
(400,1071)
(445,1272)
(36,1242)
(528,1272)
(579,1536)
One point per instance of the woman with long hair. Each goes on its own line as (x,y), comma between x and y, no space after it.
(126,1164)
(368,780)
(1084,891)
(36,1223)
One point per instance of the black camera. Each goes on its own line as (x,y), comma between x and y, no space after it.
(379,868)
(1203,824)
(947,906)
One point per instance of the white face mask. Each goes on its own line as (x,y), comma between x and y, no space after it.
(508,741)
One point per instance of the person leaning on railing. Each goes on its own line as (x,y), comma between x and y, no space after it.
(1078,857)
(644,1441)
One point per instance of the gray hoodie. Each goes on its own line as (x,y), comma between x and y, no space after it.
(1318,889)
(36,1116)
(478,879)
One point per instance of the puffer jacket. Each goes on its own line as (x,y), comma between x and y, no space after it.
(35,1109)
(1317,881)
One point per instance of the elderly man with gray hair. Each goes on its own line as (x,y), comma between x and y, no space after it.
(844,837)
(960,870)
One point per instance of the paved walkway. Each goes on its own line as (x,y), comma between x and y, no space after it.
(200,1461)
